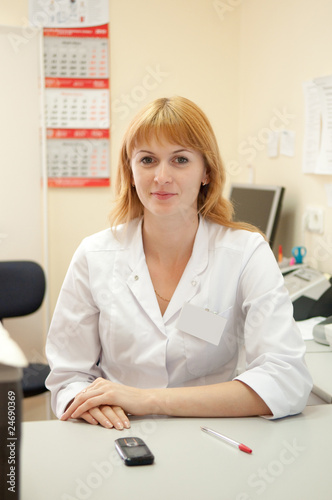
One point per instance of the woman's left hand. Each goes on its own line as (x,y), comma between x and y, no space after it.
(106,393)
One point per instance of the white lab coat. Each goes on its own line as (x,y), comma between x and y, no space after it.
(107,322)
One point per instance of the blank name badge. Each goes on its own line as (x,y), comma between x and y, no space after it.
(201,323)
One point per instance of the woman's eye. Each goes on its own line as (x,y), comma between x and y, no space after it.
(147,160)
(181,159)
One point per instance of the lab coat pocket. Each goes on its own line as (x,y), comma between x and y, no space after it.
(205,339)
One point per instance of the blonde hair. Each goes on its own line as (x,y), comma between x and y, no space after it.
(182,122)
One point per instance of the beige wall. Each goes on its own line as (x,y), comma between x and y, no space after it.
(284,43)
(21,200)
(240,63)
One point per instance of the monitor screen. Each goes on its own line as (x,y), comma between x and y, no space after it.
(258,205)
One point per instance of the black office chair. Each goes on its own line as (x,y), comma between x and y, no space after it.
(22,290)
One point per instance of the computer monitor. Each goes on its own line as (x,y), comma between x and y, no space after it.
(258,205)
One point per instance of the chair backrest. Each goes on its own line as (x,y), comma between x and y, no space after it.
(22,288)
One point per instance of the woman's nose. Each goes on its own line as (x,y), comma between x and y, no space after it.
(162,173)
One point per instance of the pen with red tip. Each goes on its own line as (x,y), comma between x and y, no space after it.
(241,446)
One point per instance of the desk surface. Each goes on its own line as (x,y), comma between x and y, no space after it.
(320,367)
(319,361)
(291,459)
(313,346)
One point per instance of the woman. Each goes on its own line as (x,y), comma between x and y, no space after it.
(155,314)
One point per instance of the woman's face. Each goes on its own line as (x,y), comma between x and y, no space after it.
(167,177)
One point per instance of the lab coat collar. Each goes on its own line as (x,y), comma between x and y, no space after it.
(135,243)
(140,283)
(190,281)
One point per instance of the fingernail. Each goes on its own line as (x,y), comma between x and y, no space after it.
(127,424)
(108,424)
(118,425)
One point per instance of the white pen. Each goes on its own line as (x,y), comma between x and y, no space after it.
(241,446)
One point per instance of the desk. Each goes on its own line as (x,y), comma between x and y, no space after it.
(319,361)
(76,461)
(320,368)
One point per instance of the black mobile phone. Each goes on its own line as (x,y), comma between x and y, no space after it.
(134,451)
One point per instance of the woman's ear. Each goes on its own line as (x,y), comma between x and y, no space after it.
(206,180)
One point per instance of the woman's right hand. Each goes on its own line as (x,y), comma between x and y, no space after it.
(107,416)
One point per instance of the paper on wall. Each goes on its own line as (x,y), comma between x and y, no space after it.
(287,143)
(67,14)
(312,129)
(328,189)
(317,152)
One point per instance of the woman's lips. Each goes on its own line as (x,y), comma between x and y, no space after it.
(162,195)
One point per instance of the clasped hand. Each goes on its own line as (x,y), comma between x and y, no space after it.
(106,403)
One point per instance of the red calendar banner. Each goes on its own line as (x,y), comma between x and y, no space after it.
(90,32)
(77,182)
(75,83)
(77,134)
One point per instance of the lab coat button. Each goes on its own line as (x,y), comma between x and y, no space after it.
(194,283)
(136,277)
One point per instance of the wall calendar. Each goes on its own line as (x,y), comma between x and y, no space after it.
(77,101)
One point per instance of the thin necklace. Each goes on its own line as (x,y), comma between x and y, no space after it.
(162,298)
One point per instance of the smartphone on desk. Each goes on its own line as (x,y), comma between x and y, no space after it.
(134,451)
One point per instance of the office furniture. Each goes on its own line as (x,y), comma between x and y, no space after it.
(22,290)
(306,307)
(313,346)
(73,460)
(259,205)
(323,306)
(319,361)
(320,367)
